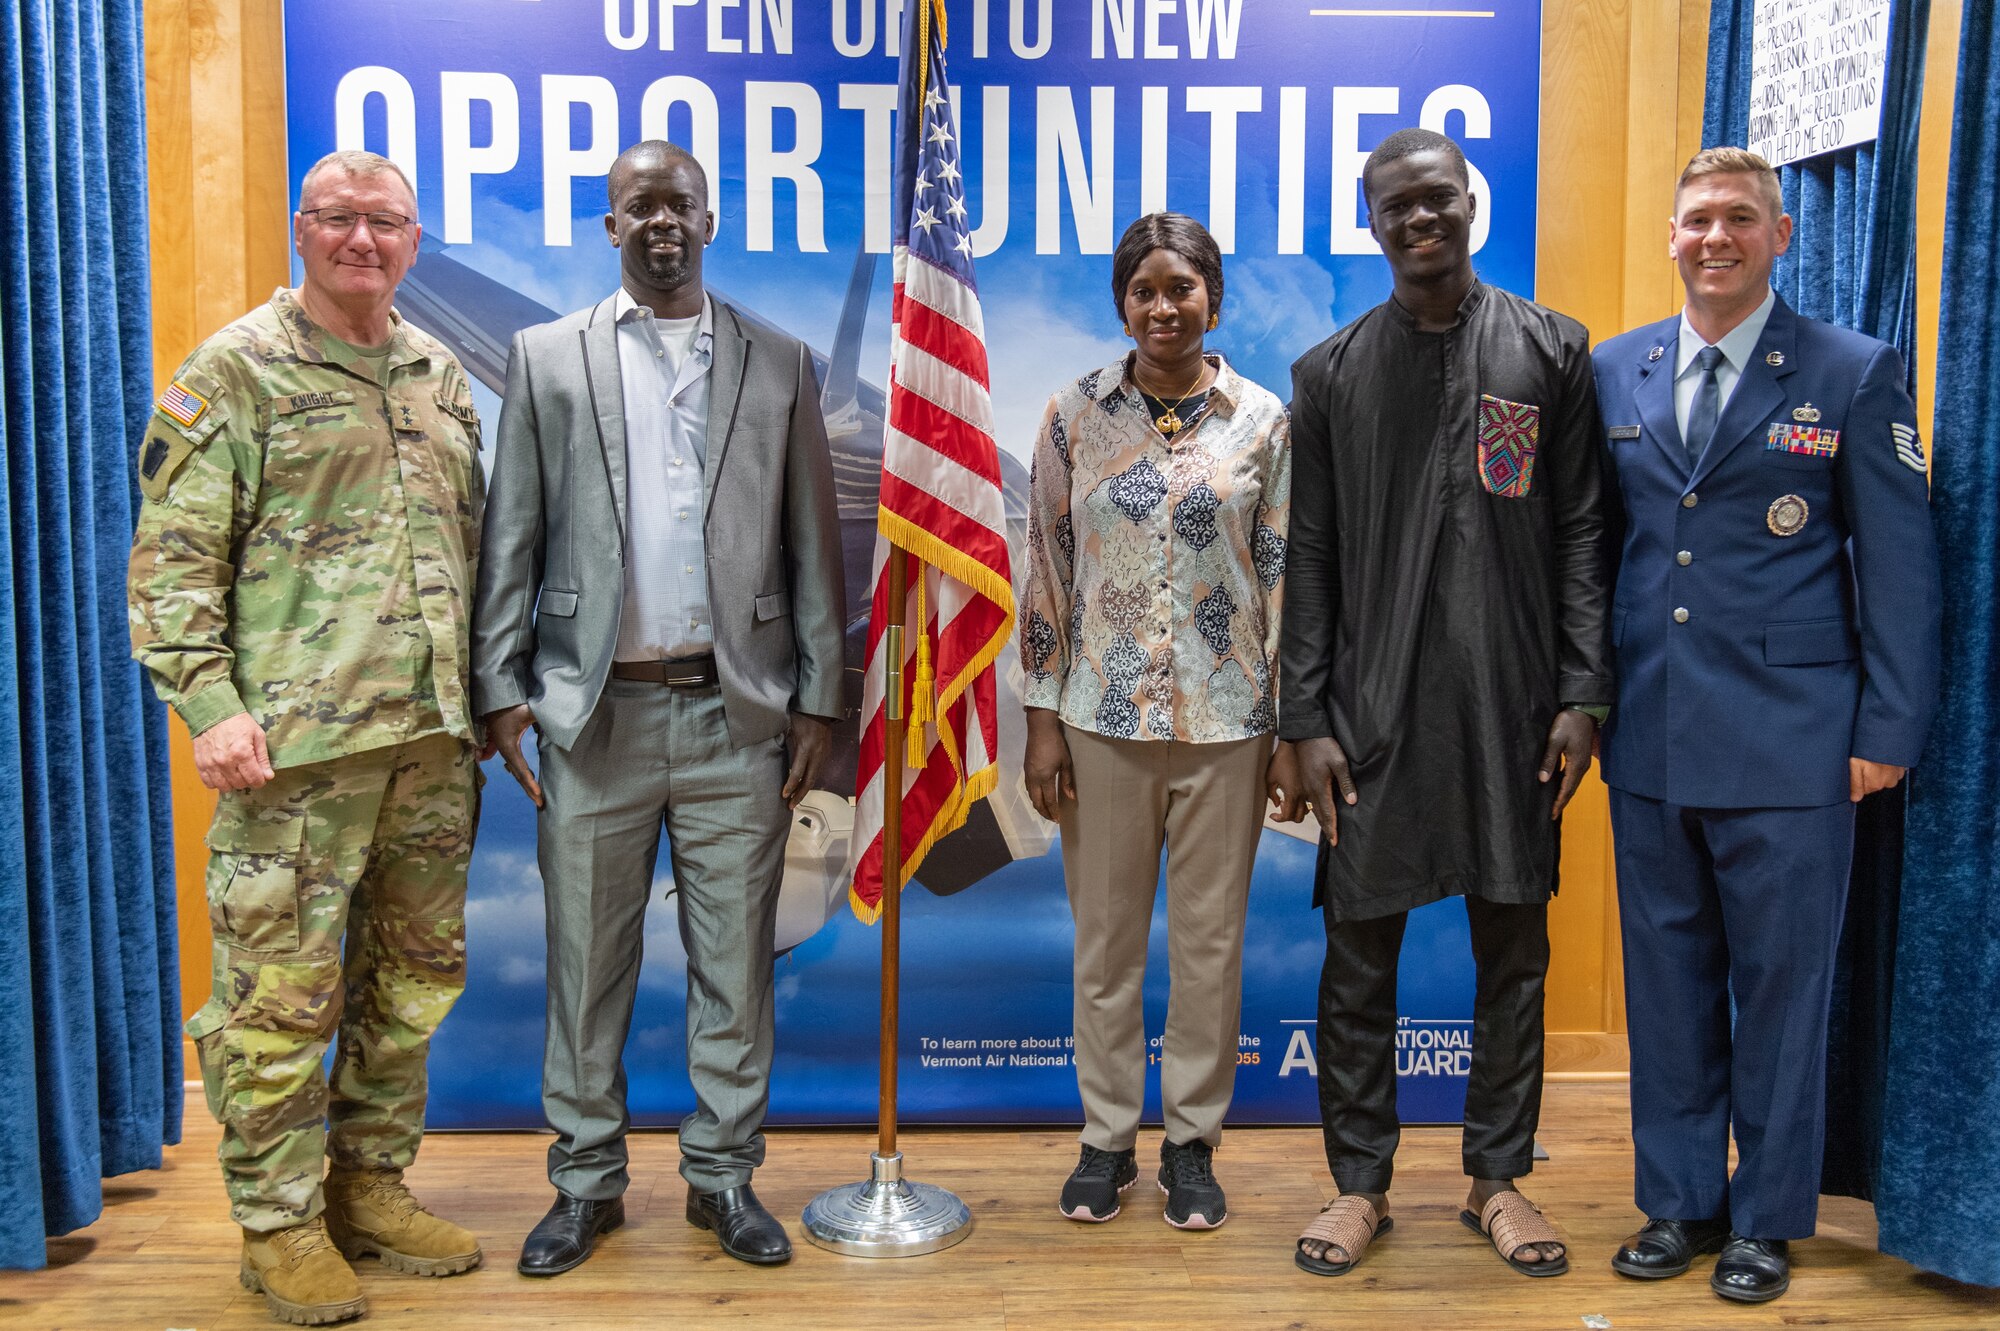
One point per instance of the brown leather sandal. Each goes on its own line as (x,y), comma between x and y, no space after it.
(1348,1223)
(1513,1222)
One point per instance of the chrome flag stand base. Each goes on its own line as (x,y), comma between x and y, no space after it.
(887,1216)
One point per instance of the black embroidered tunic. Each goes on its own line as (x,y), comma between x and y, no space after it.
(1448,592)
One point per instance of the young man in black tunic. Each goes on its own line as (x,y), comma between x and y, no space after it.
(1444,664)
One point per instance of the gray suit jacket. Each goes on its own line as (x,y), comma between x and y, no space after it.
(551,560)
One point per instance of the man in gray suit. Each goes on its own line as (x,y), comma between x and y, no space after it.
(660,596)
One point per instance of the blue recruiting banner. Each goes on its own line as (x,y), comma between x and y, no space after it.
(1075,117)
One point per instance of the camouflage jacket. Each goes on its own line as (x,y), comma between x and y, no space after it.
(307,544)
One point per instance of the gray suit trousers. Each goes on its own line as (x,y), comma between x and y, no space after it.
(651,755)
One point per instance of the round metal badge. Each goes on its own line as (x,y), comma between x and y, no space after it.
(1787,515)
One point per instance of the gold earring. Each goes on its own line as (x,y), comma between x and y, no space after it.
(1128,330)
(1214,322)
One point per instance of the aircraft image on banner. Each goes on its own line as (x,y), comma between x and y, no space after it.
(477,318)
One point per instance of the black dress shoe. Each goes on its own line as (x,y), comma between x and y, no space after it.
(566,1234)
(1752,1270)
(1665,1248)
(748,1232)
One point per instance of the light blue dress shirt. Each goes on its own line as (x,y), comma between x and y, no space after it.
(663,365)
(1736,346)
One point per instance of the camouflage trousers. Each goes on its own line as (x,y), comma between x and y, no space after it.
(369,850)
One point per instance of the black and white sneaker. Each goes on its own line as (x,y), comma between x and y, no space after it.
(1091,1194)
(1194,1198)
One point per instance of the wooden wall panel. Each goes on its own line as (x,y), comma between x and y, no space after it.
(1694,87)
(1622,81)
(267,209)
(215,155)
(1933,160)
(1652,125)
(170,169)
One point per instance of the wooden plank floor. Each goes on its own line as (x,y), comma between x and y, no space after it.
(164,1253)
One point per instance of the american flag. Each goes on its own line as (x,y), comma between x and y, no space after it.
(941,509)
(182,405)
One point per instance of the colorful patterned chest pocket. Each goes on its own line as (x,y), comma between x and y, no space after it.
(1508,433)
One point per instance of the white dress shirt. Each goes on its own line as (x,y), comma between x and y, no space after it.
(1736,345)
(663,366)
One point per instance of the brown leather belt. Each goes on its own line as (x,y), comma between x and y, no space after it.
(688,672)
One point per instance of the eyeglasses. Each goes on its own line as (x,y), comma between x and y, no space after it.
(340,221)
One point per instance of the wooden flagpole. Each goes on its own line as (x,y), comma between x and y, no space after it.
(888,1215)
(896,725)
(895,734)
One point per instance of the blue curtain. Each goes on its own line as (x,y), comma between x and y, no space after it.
(90,1067)
(1937,1204)
(1852,262)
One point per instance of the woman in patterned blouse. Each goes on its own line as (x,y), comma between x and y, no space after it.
(1156,556)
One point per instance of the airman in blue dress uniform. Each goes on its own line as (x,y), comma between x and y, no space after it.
(1775,634)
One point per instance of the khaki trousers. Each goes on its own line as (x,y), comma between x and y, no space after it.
(1204,804)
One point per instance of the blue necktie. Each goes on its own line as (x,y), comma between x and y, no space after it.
(1707,405)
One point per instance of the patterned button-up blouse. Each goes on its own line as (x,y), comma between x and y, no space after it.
(1155,566)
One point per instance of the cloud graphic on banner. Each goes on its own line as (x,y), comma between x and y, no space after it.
(1265,300)
(508,248)
(665,968)
(504,919)
(1039,336)
(661,1039)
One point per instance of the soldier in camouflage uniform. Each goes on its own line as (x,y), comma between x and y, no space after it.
(301,586)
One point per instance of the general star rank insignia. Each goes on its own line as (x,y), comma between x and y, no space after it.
(1787,515)
(1808,413)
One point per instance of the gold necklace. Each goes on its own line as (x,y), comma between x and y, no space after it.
(1169,422)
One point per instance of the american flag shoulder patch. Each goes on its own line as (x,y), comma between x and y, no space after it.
(1909,447)
(182,405)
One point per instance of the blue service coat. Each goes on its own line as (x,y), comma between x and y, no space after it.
(1752,664)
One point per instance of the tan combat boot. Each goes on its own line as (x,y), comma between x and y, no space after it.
(303,1280)
(371,1212)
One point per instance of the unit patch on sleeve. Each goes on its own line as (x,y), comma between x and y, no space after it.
(1810,440)
(161,459)
(1909,448)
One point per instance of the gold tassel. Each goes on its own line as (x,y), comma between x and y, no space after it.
(923,702)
